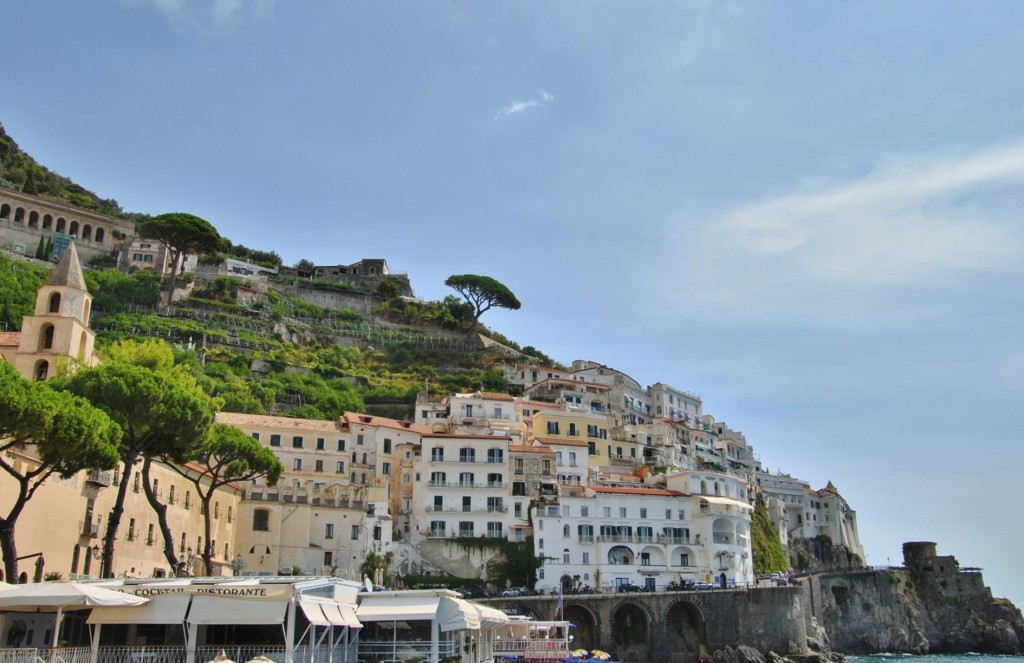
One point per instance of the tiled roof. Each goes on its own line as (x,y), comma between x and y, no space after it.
(10,338)
(561,441)
(525,448)
(360,419)
(495,396)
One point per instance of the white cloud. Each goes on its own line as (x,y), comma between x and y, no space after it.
(543,97)
(218,12)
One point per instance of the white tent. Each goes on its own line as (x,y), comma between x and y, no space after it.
(60,596)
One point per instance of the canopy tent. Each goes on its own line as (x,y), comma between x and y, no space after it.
(60,596)
(457,615)
(393,607)
(167,610)
(217,610)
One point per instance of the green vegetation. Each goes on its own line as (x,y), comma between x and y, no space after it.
(482,293)
(769,555)
(19,282)
(20,172)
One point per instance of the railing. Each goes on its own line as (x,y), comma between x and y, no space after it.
(45,655)
(466,484)
(461,509)
(99,478)
(402,650)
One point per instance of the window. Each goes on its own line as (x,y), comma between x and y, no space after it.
(517,509)
(494,480)
(438,503)
(437,479)
(229,514)
(216,510)
(320,444)
(339,467)
(297,464)
(572,429)
(565,531)
(465,528)
(318,466)
(622,512)
(341,445)
(131,529)
(565,512)
(545,466)
(495,456)
(297,442)
(467,455)
(592,448)
(519,465)
(469,410)
(682,515)
(355,532)
(275,440)
(467,503)
(558,457)
(668,514)
(328,558)
(584,511)
(385,468)
(552,428)
(188,500)
(607,512)
(329,531)
(261,520)
(572,459)
(387,445)
(466,479)
(359,439)
(586,558)
(437,454)
(495,505)
(170,495)
(256,436)
(643,512)
(497,412)
(591,430)
(519,488)
(494,530)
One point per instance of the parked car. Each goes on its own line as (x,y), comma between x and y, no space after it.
(629,587)
(514,591)
(703,585)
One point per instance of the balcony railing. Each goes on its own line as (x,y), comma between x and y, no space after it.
(99,478)
(471,509)
(91,530)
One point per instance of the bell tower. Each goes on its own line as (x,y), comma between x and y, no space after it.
(59,329)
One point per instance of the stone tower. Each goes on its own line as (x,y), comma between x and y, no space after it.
(59,329)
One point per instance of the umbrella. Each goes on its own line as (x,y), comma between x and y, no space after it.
(222,657)
(60,596)
(260,659)
(579,653)
(600,655)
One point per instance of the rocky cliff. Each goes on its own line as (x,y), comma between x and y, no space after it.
(930,605)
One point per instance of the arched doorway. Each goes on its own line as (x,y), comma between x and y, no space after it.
(686,628)
(631,628)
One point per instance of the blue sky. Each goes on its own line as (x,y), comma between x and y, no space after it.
(806,212)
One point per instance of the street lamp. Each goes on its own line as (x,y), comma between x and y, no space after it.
(187,565)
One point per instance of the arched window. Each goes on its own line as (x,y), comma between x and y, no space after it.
(5,211)
(60,224)
(55,303)
(73,230)
(99,235)
(565,530)
(19,215)
(46,337)
(42,369)
(87,232)
(47,221)
(33,219)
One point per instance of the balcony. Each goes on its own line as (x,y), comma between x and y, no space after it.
(91,530)
(473,509)
(98,478)
(674,540)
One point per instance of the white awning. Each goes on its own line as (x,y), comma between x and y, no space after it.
(725,501)
(208,610)
(340,614)
(457,615)
(314,613)
(396,608)
(167,609)
(490,617)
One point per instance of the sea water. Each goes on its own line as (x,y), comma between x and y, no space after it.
(935,658)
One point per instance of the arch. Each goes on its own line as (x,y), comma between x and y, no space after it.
(41,370)
(685,627)
(33,219)
(46,337)
(60,224)
(652,556)
(19,214)
(631,628)
(87,312)
(5,211)
(87,232)
(566,582)
(82,343)
(55,303)
(99,236)
(620,555)
(73,228)
(566,531)
(683,556)
(586,625)
(47,221)
(723,531)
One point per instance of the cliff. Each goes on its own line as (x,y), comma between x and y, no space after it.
(930,605)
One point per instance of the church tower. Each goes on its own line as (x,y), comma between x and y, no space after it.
(59,330)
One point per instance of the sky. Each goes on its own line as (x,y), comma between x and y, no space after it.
(808,213)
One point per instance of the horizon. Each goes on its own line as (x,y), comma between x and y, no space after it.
(807,214)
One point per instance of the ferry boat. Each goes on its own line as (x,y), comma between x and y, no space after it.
(526,641)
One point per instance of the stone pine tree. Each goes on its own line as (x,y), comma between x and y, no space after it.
(482,293)
(226,455)
(158,414)
(52,432)
(181,234)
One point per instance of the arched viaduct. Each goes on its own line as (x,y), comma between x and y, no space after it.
(671,627)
